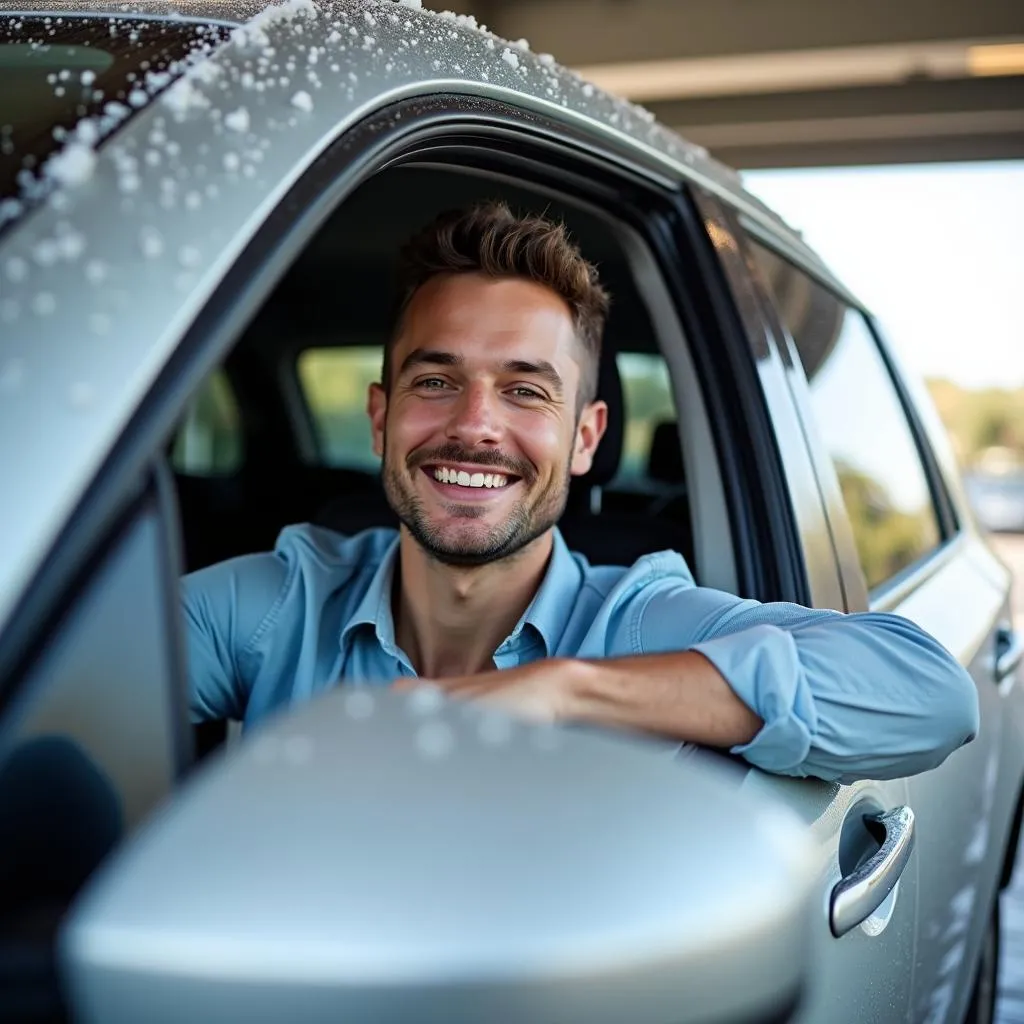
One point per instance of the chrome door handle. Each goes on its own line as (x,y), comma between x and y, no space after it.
(862,892)
(1009,651)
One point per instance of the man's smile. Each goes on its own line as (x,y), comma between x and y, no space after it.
(469,482)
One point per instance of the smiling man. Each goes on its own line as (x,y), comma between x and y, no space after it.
(485,411)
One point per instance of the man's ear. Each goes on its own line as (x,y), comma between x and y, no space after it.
(591,427)
(377,410)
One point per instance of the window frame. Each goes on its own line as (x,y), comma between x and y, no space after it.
(586,168)
(891,592)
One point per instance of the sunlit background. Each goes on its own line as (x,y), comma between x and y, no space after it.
(936,251)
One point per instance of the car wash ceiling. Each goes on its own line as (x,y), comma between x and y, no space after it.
(769,83)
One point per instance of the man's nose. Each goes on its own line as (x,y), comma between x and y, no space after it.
(476,416)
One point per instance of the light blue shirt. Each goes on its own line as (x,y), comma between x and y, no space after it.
(842,697)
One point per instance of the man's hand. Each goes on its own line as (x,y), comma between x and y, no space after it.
(678,696)
(539,691)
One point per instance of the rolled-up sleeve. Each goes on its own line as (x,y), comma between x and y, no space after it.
(224,605)
(842,697)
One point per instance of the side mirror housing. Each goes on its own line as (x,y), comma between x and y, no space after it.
(387,858)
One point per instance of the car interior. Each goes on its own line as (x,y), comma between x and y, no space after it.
(279,433)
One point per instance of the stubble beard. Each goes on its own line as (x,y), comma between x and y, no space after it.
(525,522)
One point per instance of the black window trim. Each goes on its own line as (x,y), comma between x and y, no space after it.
(896,588)
(949,522)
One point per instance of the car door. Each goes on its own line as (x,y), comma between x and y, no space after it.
(866,973)
(902,540)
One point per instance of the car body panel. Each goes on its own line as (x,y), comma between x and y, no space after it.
(966,805)
(866,974)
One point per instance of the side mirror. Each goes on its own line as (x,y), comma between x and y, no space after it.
(376,857)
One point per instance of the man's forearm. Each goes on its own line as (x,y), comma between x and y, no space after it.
(680,695)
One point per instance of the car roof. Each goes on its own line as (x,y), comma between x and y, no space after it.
(142,244)
(694,161)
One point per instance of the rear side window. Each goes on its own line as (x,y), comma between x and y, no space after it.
(650,420)
(861,419)
(209,441)
(334,383)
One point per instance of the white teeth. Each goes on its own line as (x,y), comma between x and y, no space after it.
(464,479)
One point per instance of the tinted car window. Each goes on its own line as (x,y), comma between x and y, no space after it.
(647,395)
(334,382)
(861,420)
(209,441)
(66,82)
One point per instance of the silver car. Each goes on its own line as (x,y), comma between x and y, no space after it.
(200,207)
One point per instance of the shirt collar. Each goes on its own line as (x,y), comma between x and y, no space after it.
(546,614)
(375,607)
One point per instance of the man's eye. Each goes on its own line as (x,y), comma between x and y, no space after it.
(524,392)
(432,384)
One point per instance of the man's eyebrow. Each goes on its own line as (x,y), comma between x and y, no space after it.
(434,357)
(542,369)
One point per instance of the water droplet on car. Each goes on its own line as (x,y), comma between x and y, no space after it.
(237,120)
(11,376)
(82,395)
(495,728)
(70,243)
(151,242)
(425,699)
(16,269)
(435,740)
(298,749)
(99,323)
(546,737)
(44,303)
(45,252)
(95,271)
(189,256)
(265,749)
(359,704)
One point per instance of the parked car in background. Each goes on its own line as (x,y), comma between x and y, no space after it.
(995,489)
(200,209)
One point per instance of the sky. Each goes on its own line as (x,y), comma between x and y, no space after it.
(935,251)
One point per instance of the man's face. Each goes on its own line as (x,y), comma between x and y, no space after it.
(479,433)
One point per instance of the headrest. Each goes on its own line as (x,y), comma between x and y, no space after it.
(609,451)
(665,462)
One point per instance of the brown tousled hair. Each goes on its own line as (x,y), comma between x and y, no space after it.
(488,238)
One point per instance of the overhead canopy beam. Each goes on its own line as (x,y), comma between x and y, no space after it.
(798,82)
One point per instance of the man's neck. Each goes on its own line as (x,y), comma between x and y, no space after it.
(450,620)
